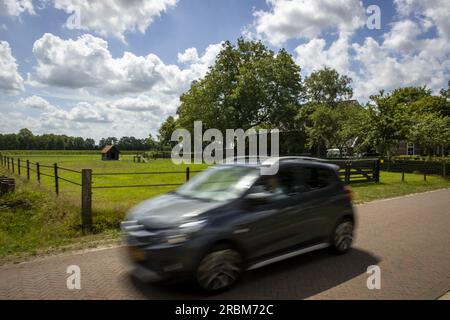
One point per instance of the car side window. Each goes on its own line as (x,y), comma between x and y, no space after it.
(317,178)
(269,184)
(284,184)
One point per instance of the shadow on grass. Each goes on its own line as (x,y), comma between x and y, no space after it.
(296,278)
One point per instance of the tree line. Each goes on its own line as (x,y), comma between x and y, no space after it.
(26,140)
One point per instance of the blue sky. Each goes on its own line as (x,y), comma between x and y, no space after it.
(122,69)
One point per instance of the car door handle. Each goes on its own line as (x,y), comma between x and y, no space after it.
(240,231)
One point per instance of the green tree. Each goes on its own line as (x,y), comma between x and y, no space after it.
(26,139)
(328,86)
(249,86)
(445,93)
(107,141)
(430,130)
(386,123)
(165,132)
(151,143)
(336,127)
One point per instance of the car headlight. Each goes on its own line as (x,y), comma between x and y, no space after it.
(184,232)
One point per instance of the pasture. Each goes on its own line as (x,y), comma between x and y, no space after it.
(123,174)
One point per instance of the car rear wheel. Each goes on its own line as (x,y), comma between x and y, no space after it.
(219,269)
(343,237)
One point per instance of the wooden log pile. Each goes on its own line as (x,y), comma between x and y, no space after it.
(7,185)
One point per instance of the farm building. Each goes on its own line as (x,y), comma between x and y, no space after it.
(110,153)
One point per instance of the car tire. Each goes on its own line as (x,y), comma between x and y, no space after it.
(343,236)
(219,269)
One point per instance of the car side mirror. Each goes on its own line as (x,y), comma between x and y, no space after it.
(258,198)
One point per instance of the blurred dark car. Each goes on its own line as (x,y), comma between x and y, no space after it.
(231,218)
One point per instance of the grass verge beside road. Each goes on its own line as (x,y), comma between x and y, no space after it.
(391,186)
(34,222)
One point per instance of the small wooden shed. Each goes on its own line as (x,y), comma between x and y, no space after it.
(110,153)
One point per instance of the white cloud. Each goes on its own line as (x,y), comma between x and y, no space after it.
(128,95)
(11,82)
(297,19)
(16,7)
(36,102)
(403,36)
(405,55)
(115,17)
(188,56)
(383,69)
(433,12)
(315,55)
(87,63)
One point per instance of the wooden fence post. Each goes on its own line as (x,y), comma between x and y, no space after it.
(38,172)
(18,166)
(444,168)
(12,164)
(8,162)
(347,172)
(403,175)
(28,169)
(188,174)
(86,200)
(55,168)
(377,171)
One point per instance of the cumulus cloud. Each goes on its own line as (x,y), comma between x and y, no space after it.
(432,12)
(11,82)
(407,55)
(16,7)
(87,63)
(114,17)
(137,116)
(36,102)
(134,94)
(315,54)
(383,69)
(297,19)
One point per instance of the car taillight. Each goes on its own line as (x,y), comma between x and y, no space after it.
(349,192)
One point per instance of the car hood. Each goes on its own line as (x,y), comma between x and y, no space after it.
(169,210)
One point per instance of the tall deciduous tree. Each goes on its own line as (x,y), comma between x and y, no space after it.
(328,86)
(387,123)
(248,86)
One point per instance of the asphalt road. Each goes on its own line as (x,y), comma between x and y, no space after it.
(408,238)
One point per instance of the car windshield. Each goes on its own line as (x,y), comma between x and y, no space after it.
(221,183)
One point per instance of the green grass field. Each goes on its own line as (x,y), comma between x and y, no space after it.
(33,219)
(109,199)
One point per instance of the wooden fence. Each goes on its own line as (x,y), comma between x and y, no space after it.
(414,166)
(29,169)
(358,171)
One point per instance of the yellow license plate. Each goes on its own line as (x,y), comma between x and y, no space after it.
(136,254)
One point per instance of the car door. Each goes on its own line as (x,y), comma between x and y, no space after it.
(315,201)
(266,228)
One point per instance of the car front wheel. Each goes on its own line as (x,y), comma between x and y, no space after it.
(219,269)
(343,237)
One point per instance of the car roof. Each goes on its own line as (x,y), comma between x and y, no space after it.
(259,162)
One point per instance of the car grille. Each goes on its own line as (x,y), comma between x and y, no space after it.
(136,234)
